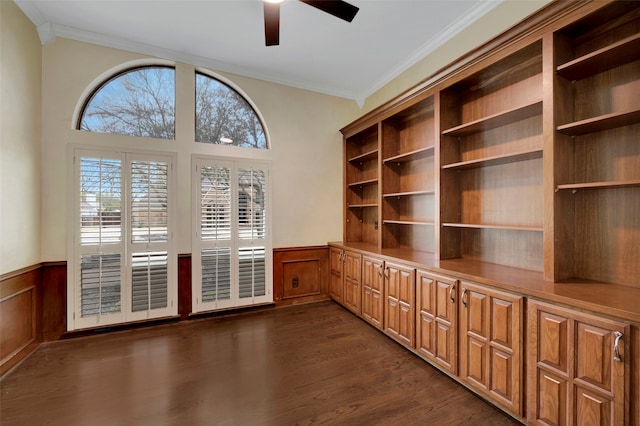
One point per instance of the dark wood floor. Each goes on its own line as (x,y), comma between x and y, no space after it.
(310,364)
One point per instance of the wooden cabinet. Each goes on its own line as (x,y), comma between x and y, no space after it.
(345,287)
(352,282)
(336,280)
(372,291)
(578,367)
(399,290)
(437,319)
(491,326)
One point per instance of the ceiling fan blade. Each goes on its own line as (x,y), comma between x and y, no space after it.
(338,8)
(271,23)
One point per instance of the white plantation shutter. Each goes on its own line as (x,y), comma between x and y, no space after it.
(149,272)
(149,201)
(149,237)
(123,263)
(251,272)
(215,203)
(100,289)
(215,234)
(98,260)
(231,254)
(100,201)
(251,225)
(216,274)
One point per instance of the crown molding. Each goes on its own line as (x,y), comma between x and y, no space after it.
(48,32)
(434,43)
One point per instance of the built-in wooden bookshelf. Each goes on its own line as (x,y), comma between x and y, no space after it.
(491,162)
(511,178)
(596,147)
(408,170)
(362,186)
(527,159)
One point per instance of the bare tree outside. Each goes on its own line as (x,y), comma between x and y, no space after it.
(140,102)
(223,116)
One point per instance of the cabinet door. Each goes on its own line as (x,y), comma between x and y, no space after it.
(436,316)
(352,291)
(490,344)
(372,282)
(577,367)
(337,266)
(400,294)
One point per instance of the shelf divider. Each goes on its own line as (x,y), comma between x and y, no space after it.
(364,182)
(502,227)
(360,206)
(496,160)
(600,185)
(407,222)
(364,156)
(409,156)
(614,55)
(408,193)
(497,120)
(600,123)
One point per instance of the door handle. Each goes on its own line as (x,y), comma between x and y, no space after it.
(616,351)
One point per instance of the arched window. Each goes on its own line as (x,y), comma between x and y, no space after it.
(123,265)
(223,116)
(137,102)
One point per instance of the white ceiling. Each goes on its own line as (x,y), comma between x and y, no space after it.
(317,51)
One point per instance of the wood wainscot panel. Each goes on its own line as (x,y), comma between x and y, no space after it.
(20,315)
(184,286)
(300,274)
(54,300)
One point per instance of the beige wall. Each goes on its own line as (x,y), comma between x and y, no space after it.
(502,17)
(20,177)
(303,127)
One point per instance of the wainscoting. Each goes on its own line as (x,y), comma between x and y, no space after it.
(33,300)
(32,310)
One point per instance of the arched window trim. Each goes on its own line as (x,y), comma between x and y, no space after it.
(92,88)
(233,86)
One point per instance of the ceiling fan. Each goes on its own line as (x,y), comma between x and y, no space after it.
(338,8)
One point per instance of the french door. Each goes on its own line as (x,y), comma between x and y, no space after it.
(231,256)
(123,261)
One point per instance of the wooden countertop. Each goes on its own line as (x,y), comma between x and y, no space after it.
(622,302)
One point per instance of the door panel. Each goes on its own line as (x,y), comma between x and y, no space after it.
(436,318)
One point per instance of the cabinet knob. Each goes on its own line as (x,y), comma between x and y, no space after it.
(616,351)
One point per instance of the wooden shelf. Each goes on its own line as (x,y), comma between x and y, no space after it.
(408,194)
(502,227)
(614,55)
(496,160)
(600,123)
(407,222)
(410,156)
(361,206)
(364,182)
(497,120)
(371,155)
(600,185)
